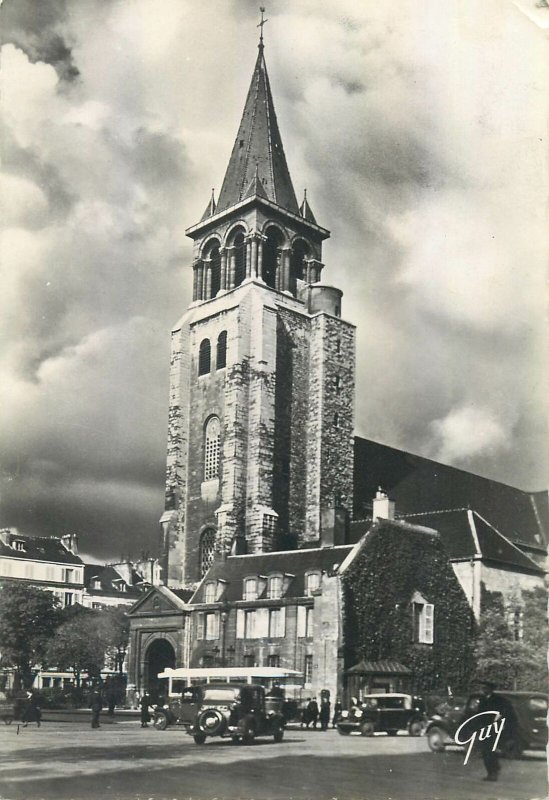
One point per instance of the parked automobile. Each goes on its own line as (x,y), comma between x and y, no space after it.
(390,712)
(529,731)
(237,711)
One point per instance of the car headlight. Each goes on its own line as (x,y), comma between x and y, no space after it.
(344,714)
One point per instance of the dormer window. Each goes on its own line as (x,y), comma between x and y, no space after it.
(274,587)
(18,544)
(96,583)
(312,583)
(250,589)
(210,592)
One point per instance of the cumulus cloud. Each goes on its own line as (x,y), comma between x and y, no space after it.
(421,139)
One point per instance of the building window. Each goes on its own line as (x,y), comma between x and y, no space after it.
(250,589)
(308,622)
(204,357)
(46,683)
(211,449)
(69,575)
(207,550)
(273,660)
(221,354)
(423,621)
(276,626)
(337,384)
(274,587)
(96,583)
(338,346)
(249,625)
(210,592)
(215,266)
(308,669)
(211,626)
(97,606)
(18,544)
(239,259)
(312,583)
(69,599)
(249,660)
(336,420)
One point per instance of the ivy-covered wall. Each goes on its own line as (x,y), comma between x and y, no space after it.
(396,560)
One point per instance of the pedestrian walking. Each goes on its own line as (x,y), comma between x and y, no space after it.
(96,704)
(338,708)
(32,711)
(145,703)
(493,702)
(312,712)
(324,714)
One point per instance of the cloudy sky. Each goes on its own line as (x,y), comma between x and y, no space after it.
(420,132)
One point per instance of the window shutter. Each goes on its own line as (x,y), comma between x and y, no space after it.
(240,623)
(261,623)
(301,621)
(216,625)
(428,623)
(200,625)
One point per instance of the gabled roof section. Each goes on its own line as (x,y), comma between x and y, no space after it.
(293,564)
(36,548)
(418,485)
(258,145)
(160,600)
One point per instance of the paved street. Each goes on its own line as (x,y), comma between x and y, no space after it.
(121,761)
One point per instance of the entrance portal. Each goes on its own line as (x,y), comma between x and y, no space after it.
(160,655)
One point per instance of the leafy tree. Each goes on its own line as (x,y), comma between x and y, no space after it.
(513,658)
(28,618)
(79,644)
(116,630)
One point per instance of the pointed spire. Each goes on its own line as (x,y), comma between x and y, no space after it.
(258,142)
(255,187)
(305,209)
(210,208)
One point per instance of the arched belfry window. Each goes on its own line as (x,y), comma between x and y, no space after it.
(271,255)
(204,357)
(216,271)
(240,259)
(207,550)
(300,251)
(221,355)
(211,449)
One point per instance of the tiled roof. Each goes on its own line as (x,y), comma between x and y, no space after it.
(293,563)
(40,548)
(258,148)
(373,667)
(459,537)
(419,485)
(110,579)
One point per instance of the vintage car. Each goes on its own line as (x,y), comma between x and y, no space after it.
(240,711)
(528,730)
(390,712)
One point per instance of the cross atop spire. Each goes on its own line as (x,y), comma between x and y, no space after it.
(261,24)
(258,154)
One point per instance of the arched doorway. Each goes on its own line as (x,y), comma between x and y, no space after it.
(160,654)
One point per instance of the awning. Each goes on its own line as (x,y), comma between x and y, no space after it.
(378,667)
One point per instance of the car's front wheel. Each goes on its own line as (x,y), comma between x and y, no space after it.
(199,738)
(436,739)
(415,728)
(367,729)
(343,731)
(160,721)
(278,733)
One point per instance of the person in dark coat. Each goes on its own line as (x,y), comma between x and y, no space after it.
(312,712)
(324,714)
(32,711)
(96,704)
(145,704)
(493,702)
(338,708)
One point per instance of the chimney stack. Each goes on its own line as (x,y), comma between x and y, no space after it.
(382,507)
(70,542)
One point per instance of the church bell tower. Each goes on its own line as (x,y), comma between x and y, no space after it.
(260,440)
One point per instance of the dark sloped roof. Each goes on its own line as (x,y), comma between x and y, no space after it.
(495,547)
(418,484)
(183,594)
(373,667)
(290,562)
(258,146)
(40,548)
(110,578)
